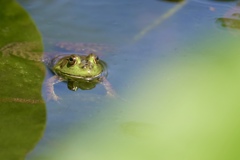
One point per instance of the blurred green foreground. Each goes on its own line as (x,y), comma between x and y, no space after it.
(187,109)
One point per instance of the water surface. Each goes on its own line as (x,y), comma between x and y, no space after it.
(142,33)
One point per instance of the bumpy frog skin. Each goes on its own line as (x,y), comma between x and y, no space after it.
(79,67)
(79,71)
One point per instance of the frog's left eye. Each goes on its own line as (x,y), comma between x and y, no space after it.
(96,58)
(72,59)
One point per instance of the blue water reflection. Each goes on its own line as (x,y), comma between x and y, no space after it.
(117,23)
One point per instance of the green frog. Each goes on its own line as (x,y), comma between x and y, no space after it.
(79,71)
(82,71)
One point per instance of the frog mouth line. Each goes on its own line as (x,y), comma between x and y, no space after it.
(104,73)
(81,77)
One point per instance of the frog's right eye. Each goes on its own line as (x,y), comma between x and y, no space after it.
(72,60)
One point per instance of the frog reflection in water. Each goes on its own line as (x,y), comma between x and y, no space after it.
(79,71)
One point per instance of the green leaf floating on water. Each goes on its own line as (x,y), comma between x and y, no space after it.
(22,109)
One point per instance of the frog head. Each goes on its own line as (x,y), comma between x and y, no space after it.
(86,67)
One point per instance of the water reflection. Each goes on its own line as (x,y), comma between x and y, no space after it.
(229,23)
(119,22)
(225,0)
(231,19)
(173,0)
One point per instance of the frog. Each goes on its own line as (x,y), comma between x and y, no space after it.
(79,67)
(80,72)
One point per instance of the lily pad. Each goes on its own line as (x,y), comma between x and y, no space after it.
(22,109)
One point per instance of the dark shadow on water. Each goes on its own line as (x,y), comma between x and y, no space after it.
(228,23)
(174,1)
(225,0)
(230,20)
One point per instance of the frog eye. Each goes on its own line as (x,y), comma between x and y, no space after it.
(72,60)
(96,58)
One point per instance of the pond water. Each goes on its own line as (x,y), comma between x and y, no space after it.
(141,33)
